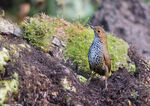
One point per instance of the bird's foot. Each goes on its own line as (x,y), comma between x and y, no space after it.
(88,81)
(105,89)
(106,84)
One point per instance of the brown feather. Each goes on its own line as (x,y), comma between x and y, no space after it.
(99,31)
(103,37)
(107,59)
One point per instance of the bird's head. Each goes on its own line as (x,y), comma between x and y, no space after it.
(99,32)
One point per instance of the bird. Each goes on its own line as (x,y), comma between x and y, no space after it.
(98,56)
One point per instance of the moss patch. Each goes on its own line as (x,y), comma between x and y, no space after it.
(38,31)
(67,85)
(4,57)
(80,40)
(82,79)
(78,43)
(8,86)
(9,52)
(118,50)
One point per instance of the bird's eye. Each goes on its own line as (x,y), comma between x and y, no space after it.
(98,31)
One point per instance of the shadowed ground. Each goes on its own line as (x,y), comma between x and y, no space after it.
(40,78)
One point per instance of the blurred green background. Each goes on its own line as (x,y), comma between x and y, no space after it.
(69,9)
(146,0)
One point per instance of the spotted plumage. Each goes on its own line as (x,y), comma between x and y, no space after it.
(98,56)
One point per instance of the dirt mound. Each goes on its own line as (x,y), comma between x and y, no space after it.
(128,19)
(41,79)
(45,81)
(124,88)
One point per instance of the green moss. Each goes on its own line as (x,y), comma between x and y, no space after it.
(15,50)
(3,93)
(38,31)
(80,40)
(8,86)
(132,68)
(82,79)
(78,43)
(118,50)
(4,57)
(67,85)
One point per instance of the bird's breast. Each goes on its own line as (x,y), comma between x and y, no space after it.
(95,55)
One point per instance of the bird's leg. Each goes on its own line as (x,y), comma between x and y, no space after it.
(92,75)
(105,79)
(106,83)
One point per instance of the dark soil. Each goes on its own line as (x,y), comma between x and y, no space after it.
(40,75)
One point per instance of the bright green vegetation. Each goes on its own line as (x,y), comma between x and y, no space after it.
(8,86)
(118,50)
(80,40)
(8,52)
(67,84)
(4,57)
(131,68)
(82,79)
(38,31)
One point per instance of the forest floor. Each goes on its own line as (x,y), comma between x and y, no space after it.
(40,86)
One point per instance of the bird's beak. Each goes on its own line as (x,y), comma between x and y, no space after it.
(92,27)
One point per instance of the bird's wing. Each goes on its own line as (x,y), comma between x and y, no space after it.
(107,59)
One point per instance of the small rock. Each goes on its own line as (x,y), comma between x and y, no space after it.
(67,70)
(17,31)
(9,28)
(28,73)
(63,44)
(22,45)
(55,41)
